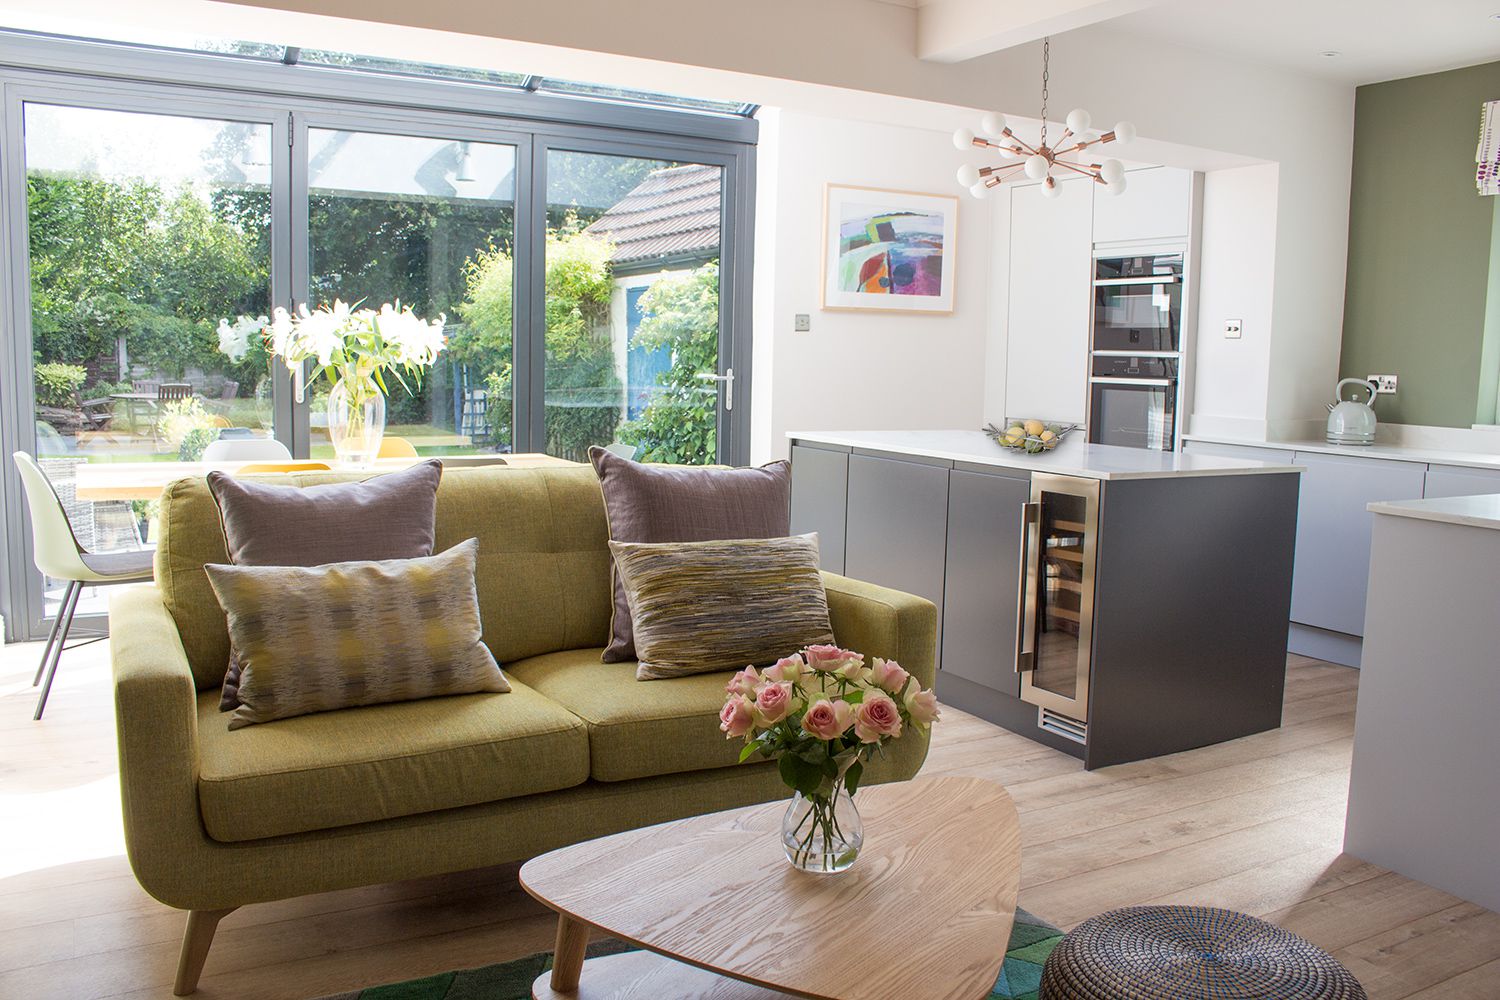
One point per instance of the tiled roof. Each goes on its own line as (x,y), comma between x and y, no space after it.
(673,212)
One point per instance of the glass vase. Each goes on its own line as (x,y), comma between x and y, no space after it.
(822,833)
(356,420)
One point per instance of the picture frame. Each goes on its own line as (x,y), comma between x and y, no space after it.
(886,250)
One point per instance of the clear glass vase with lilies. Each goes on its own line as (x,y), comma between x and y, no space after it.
(821,714)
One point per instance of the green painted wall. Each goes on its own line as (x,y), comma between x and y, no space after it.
(1419,245)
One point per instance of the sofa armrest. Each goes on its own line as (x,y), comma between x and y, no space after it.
(156,723)
(879,621)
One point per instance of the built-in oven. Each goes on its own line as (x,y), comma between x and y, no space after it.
(1138,302)
(1133,401)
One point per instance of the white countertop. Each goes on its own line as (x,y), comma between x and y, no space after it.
(1392,452)
(1074,457)
(1476,511)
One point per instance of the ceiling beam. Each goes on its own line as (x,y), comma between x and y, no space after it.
(955,30)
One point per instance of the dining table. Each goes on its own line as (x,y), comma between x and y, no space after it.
(100,481)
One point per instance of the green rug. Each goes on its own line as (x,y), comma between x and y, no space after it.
(1031,941)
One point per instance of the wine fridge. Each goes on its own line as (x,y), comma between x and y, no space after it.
(1055,608)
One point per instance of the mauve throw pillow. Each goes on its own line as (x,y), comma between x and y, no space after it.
(678,503)
(269,524)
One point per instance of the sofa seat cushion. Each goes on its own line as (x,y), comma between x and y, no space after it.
(637,729)
(358,765)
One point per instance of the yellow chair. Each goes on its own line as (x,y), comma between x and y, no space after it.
(254,467)
(396,447)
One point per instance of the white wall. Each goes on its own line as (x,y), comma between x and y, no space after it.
(858,370)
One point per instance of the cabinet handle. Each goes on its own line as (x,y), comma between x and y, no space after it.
(1031,529)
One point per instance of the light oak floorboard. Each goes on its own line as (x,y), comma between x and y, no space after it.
(1254,825)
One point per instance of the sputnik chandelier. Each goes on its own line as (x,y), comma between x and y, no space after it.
(1037,162)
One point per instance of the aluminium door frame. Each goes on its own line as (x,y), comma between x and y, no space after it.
(24,603)
(122,78)
(736,267)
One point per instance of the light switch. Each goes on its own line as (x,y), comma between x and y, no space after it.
(1232,328)
(802,323)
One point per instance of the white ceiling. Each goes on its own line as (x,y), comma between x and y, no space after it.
(1376,39)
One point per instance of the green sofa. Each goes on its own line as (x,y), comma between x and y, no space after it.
(217,819)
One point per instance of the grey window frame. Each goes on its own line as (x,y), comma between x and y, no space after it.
(292,98)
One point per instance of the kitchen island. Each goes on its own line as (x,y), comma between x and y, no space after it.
(1114,603)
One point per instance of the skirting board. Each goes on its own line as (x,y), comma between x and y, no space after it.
(1321,644)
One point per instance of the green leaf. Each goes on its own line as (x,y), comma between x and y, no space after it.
(799,775)
(749,750)
(852,776)
(847,858)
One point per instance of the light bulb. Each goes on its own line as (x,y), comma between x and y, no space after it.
(1113,171)
(1036,166)
(963,139)
(979,190)
(1078,121)
(1050,188)
(1116,187)
(993,123)
(968,175)
(1124,132)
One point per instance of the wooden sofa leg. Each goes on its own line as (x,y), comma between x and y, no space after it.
(196,941)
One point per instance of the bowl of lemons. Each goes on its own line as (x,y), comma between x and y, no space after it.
(1029,435)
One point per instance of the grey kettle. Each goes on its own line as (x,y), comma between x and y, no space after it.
(1351,422)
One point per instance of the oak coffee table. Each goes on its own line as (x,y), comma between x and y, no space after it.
(925,912)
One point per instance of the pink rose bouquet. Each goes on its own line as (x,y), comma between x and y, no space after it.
(821,714)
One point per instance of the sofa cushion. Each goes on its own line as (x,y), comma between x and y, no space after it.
(543,570)
(357,765)
(679,503)
(635,730)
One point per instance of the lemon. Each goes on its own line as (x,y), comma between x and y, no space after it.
(1014,436)
(1035,427)
(1048,436)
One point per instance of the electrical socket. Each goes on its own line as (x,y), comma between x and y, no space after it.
(1385,385)
(1233,329)
(802,323)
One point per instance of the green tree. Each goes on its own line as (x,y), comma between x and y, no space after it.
(583,391)
(680,311)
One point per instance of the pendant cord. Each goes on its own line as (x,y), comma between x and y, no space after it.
(1046,75)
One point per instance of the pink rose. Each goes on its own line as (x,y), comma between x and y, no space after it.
(737,717)
(833,660)
(877,716)
(826,719)
(888,675)
(745,682)
(772,703)
(922,706)
(788,668)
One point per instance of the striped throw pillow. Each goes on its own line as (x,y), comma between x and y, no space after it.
(697,607)
(318,638)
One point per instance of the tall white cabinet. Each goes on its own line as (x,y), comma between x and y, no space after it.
(1051,278)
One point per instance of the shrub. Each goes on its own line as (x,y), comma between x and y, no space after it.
(178,423)
(195,442)
(57,384)
(680,311)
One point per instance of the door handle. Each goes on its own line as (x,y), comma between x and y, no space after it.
(727,380)
(1031,530)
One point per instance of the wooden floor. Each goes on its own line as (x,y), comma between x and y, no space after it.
(1254,825)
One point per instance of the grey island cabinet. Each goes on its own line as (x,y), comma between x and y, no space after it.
(1113,603)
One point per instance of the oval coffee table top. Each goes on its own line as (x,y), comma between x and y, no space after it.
(926,911)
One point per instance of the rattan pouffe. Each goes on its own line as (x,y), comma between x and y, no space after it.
(1190,953)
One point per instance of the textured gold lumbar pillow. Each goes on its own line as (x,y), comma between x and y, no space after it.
(317,638)
(697,607)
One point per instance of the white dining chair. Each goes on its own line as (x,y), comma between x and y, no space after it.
(58,554)
(246,450)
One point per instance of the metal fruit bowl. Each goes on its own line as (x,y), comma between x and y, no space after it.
(1018,436)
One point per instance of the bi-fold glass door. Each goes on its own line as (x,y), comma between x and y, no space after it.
(586,283)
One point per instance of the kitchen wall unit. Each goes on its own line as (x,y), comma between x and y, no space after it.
(1050,282)
(1333,529)
(1178,641)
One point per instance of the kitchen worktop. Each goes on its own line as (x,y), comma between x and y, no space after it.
(1074,457)
(1392,452)
(1475,511)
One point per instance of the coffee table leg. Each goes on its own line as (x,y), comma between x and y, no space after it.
(567,955)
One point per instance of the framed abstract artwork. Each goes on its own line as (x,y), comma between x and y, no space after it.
(888,251)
